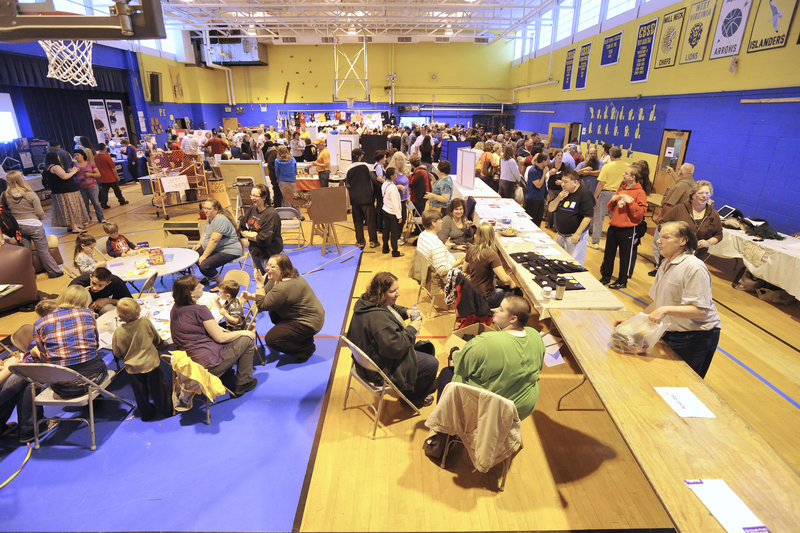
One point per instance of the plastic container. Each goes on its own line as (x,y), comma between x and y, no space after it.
(547,294)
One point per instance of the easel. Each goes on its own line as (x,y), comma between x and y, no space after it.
(328,205)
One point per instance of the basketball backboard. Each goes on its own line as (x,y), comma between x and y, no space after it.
(38,20)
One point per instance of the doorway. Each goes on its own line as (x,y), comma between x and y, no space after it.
(671,155)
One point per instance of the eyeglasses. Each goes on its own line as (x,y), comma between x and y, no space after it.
(703,194)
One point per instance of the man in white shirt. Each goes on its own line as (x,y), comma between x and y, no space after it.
(189,143)
(432,248)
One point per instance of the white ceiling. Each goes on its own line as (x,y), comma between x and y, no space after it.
(322,21)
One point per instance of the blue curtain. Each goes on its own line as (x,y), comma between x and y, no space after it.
(30,71)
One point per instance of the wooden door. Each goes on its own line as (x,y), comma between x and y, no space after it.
(671,155)
(558,135)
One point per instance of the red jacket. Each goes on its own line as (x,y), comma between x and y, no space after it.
(415,186)
(630,214)
(107,168)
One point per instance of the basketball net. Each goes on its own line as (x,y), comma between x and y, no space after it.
(350,101)
(70,61)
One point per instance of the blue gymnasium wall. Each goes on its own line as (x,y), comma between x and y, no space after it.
(747,151)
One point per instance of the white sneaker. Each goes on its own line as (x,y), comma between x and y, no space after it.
(595,245)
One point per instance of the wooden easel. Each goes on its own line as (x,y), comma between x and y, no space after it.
(328,205)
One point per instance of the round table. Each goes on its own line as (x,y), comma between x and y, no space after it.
(176,259)
(157,308)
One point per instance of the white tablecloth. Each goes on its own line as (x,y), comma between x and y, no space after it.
(478,190)
(157,309)
(177,259)
(777,262)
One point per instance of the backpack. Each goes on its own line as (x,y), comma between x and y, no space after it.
(488,169)
(8,223)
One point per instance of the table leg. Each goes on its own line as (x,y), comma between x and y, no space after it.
(573,389)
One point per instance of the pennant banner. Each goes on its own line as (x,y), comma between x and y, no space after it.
(667,49)
(583,66)
(645,38)
(730,28)
(611,45)
(771,27)
(697,28)
(567,83)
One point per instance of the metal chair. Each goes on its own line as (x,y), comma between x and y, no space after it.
(429,281)
(489,440)
(70,270)
(176,240)
(244,185)
(242,259)
(291,225)
(100,248)
(192,230)
(149,285)
(17,341)
(194,378)
(241,277)
(250,317)
(377,390)
(41,374)
(412,219)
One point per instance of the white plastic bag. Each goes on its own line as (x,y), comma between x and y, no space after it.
(637,334)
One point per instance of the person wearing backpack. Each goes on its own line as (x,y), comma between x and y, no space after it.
(26,211)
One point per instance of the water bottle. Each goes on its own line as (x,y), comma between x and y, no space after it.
(561,287)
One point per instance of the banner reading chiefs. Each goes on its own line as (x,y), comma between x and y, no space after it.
(667,45)
(695,37)
(771,27)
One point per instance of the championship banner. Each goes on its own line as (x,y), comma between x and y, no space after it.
(583,66)
(568,70)
(611,45)
(97,108)
(771,27)
(116,120)
(667,49)
(698,22)
(730,28)
(645,38)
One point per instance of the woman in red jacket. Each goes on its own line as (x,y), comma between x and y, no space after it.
(626,208)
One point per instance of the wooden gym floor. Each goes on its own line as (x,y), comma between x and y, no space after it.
(575,471)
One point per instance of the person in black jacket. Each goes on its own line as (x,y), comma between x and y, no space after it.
(378,328)
(359,183)
(261,226)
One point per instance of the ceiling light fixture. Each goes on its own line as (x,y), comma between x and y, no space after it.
(352,31)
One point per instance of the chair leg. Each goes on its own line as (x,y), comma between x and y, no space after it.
(506,466)
(347,392)
(35,418)
(378,413)
(91,419)
(208,410)
(446,449)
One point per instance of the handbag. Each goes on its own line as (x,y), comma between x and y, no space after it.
(519,194)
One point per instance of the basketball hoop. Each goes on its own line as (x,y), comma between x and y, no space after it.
(70,61)
(350,101)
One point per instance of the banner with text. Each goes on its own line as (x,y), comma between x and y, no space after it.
(644,49)
(116,120)
(583,66)
(97,108)
(771,27)
(730,28)
(567,83)
(611,45)
(695,38)
(667,49)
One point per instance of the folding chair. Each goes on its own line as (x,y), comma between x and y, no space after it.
(244,185)
(377,390)
(71,271)
(241,277)
(176,240)
(190,379)
(413,218)
(489,440)
(17,341)
(291,225)
(149,285)
(242,259)
(429,281)
(250,319)
(192,230)
(41,374)
(100,248)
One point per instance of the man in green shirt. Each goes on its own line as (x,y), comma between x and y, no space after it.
(506,362)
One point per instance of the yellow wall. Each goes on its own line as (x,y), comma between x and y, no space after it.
(200,85)
(768,69)
(464,73)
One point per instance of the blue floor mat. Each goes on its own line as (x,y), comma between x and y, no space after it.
(244,472)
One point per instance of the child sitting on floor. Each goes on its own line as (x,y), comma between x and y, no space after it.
(137,343)
(84,259)
(230,306)
(117,245)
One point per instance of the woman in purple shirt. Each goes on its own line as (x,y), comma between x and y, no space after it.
(195,330)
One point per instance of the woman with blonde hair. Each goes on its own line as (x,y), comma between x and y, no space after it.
(68,337)
(25,207)
(483,264)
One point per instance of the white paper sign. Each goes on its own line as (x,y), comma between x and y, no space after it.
(669,152)
(684,402)
(728,508)
(175,183)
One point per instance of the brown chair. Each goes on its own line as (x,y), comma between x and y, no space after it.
(16,267)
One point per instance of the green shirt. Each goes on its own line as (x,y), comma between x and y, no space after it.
(505,364)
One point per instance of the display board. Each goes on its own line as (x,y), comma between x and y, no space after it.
(467,161)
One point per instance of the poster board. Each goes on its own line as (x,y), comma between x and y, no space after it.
(97,110)
(233,169)
(328,205)
(333,147)
(175,183)
(467,161)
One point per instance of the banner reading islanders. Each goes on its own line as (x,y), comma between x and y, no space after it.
(771,27)
(698,21)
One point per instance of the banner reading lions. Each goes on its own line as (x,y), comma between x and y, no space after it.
(730,28)
(667,46)
(695,38)
(771,27)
